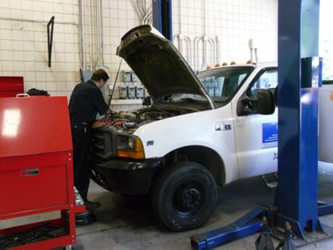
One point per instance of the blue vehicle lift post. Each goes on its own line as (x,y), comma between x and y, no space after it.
(299,77)
(162,17)
(296,200)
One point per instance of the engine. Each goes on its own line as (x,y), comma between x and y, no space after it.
(107,140)
(129,121)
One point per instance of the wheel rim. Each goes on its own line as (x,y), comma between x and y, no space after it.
(188,198)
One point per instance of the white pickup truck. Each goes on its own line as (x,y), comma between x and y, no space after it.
(201,131)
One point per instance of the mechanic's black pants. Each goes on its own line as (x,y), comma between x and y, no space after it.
(81,134)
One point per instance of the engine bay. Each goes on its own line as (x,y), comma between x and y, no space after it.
(129,121)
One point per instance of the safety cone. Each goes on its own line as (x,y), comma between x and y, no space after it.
(264,241)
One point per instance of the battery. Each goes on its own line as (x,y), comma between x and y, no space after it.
(131,92)
(140,92)
(123,92)
(127,75)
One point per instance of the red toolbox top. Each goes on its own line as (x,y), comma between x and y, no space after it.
(10,86)
(22,132)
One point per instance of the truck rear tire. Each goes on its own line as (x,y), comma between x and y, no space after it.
(184,196)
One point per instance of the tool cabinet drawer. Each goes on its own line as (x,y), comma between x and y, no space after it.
(26,189)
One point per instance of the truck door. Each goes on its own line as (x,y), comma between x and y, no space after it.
(256,135)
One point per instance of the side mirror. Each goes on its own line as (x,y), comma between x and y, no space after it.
(263,104)
(266,102)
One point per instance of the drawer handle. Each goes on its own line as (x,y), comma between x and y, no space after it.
(29,172)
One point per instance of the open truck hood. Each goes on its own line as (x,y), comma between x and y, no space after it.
(158,64)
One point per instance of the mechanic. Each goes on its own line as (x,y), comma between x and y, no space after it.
(86,100)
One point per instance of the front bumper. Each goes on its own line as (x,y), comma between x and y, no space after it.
(124,175)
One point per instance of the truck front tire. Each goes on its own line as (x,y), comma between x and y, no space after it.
(184,196)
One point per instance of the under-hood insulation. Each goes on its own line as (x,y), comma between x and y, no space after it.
(158,64)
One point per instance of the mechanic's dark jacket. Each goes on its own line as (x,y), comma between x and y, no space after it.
(86,100)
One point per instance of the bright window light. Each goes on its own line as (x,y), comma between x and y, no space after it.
(326,38)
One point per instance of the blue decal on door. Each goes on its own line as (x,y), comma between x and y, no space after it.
(269,135)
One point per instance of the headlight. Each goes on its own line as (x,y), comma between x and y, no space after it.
(130,146)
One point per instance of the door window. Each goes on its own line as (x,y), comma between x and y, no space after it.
(267,80)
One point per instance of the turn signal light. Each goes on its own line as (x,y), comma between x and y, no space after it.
(137,151)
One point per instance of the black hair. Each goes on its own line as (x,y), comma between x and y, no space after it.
(100,74)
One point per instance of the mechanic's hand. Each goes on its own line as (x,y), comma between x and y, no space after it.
(98,124)
(101,123)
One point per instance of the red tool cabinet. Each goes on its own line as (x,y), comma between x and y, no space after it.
(36,174)
(10,86)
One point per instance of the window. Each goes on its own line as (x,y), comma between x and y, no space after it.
(213,85)
(267,80)
(326,38)
(222,83)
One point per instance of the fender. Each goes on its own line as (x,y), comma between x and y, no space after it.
(197,129)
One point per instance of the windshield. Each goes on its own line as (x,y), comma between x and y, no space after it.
(222,83)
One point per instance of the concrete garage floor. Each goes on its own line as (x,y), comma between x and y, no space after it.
(119,226)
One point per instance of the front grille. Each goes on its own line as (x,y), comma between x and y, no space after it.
(104,143)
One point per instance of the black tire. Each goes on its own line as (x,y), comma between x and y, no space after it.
(184,196)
